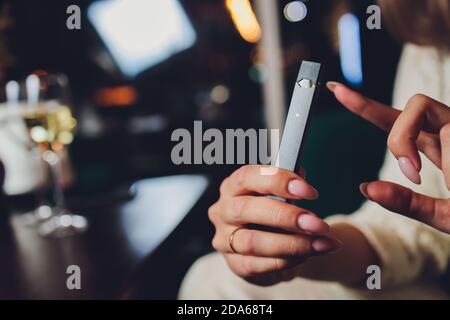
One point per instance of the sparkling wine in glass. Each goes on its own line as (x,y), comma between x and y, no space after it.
(50,125)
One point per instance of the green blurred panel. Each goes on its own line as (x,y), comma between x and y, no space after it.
(342,151)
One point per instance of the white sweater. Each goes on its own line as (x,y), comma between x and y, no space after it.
(407,248)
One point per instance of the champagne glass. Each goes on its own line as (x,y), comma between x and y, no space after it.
(50,125)
(28,173)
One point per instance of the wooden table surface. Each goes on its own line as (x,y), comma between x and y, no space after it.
(121,240)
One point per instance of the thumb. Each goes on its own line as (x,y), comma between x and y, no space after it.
(404,201)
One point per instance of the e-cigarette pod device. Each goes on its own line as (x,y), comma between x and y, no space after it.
(296,127)
(297,122)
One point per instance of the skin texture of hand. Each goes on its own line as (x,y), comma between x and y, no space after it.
(424,125)
(291,234)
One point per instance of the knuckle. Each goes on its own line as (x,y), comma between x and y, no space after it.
(247,268)
(278,215)
(445,211)
(223,186)
(283,215)
(275,181)
(239,205)
(297,246)
(445,131)
(419,101)
(272,182)
(279,264)
(394,140)
(235,265)
(390,193)
(293,248)
(248,241)
(427,141)
(212,212)
(216,243)
(241,174)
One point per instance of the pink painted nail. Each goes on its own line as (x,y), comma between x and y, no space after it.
(325,245)
(331,85)
(363,189)
(310,223)
(300,189)
(409,170)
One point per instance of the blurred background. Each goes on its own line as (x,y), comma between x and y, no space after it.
(139,70)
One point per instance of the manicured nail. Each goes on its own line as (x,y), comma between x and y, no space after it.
(325,245)
(409,170)
(363,189)
(310,223)
(300,189)
(331,85)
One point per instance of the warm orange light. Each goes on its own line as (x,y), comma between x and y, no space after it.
(40,73)
(116,97)
(244,19)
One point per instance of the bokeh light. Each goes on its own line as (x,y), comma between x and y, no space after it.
(244,19)
(220,94)
(295,11)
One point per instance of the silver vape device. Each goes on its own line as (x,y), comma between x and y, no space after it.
(298,118)
(296,127)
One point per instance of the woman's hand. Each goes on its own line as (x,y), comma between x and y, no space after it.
(293,234)
(424,126)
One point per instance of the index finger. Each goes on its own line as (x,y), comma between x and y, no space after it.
(375,112)
(282,183)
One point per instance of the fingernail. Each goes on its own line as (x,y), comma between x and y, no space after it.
(363,189)
(325,245)
(331,85)
(300,189)
(310,223)
(409,170)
